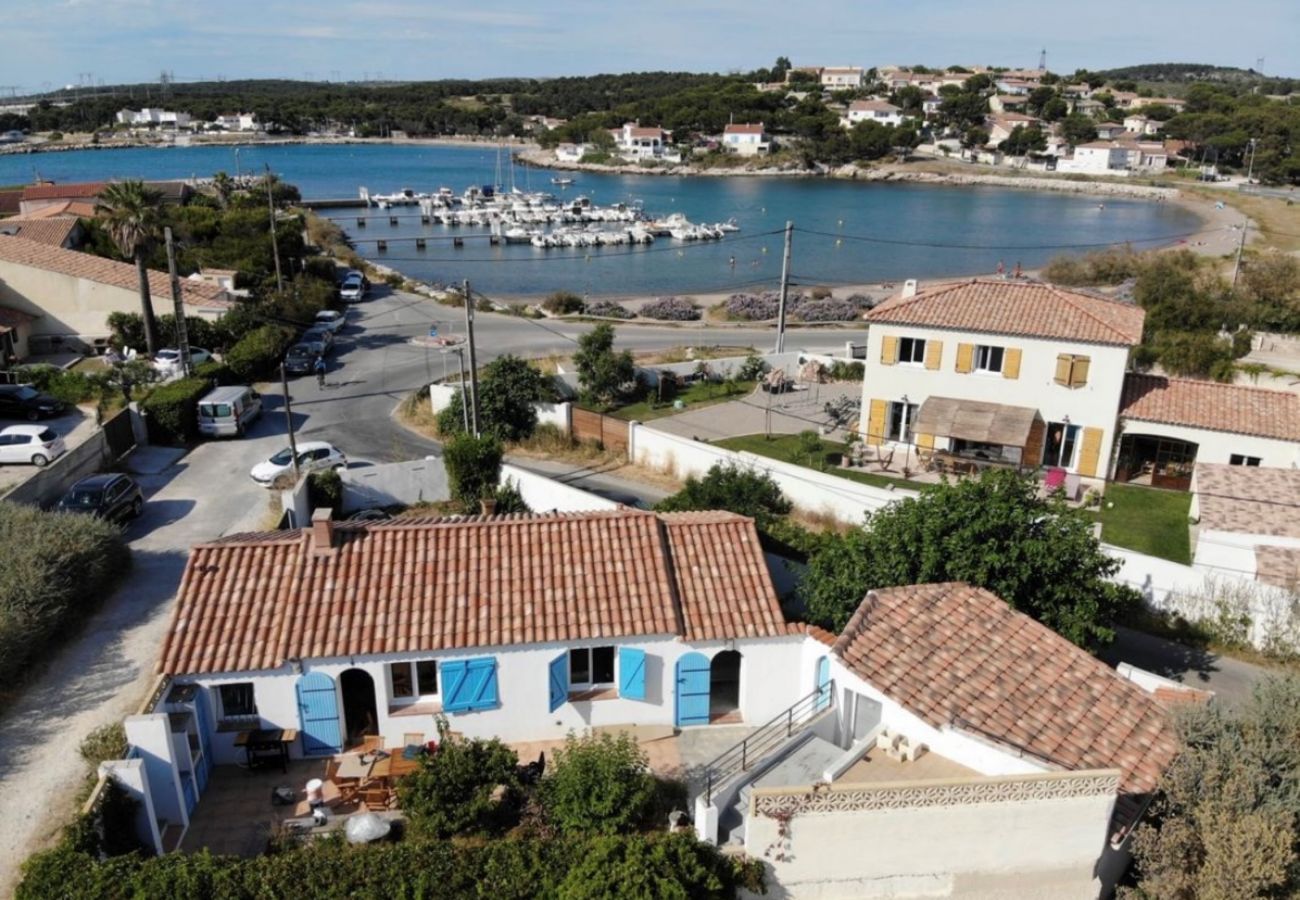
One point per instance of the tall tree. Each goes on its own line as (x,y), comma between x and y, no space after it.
(131,214)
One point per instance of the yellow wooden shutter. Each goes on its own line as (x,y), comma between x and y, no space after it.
(876,423)
(1033,453)
(1063,369)
(933,354)
(965,358)
(925,441)
(1090,452)
(888,350)
(1079,371)
(1011,363)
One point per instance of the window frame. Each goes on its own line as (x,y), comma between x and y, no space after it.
(1070,436)
(589,653)
(417,693)
(982,356)
(225,715)
(917,346)
(905,430)
(1242,459)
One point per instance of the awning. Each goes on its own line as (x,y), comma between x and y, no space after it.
(975,420)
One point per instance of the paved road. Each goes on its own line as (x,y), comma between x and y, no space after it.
(1230,679)
(107,671)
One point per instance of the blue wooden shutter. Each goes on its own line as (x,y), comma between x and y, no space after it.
(318,713)
(455,697)
(693,684)
(469,685)
(559,681)
(631,673)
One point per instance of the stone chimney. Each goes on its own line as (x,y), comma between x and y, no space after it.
(488,506)
(322,532)
(909,287)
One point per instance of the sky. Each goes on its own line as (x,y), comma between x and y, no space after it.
(51,43)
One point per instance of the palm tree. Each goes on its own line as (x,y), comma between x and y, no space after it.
(224,186)
(130,212)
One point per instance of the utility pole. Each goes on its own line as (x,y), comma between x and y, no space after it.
(473,359)
(288,419)
(785,288)
(464,406)
(1236,267)
(182,333)
(1250,170)
(275,243)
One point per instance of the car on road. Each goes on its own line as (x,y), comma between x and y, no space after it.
(35,444)
(320,334)
(22,401)
(300,359)
(331,319)
(168,361)
(313,456)
(354,288)
(108,495)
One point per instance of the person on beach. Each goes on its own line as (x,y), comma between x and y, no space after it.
(1019,272)
(732,262)
(1002,269)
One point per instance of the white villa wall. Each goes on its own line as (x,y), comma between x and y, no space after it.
(545,495)
(1022,837)
(1218,446)
(523,690)
(1233,553)
(1094,405)
(808,489)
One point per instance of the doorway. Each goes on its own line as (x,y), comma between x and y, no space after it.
(360,709)
(724,686)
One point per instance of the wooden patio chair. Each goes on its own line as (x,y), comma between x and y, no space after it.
(885,460)
(375,797)
(370,743)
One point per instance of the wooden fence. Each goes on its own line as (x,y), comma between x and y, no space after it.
(609,432)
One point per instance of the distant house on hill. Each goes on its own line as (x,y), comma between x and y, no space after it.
(746,139)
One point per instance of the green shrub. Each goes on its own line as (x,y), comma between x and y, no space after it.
(598,783)
(258,353)
(453,791)
(394,280)
(104,743)
(473,468)
(662,866)
(753,368)
(172,410)
(216,373)
(563,303)
(57,568)
(325,490)
(846,371)
(322,268)
(69,385)
(747,492)
(509,500)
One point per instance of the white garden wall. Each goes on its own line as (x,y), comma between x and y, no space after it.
(544,495)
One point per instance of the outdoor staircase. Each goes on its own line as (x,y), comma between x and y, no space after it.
(804,764)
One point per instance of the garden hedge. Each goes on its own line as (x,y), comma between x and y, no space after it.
(257,355)
(172,410)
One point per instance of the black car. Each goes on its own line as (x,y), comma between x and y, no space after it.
(22,401)
(109,496)
(301,358)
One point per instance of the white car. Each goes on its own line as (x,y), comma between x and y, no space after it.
(34,444)
(312,457)
(169,360)
(330,319)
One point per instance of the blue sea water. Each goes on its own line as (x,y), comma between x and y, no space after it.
(847,233)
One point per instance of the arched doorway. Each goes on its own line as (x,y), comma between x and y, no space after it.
(360,710)
(724,684)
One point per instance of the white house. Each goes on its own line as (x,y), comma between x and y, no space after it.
(1249,522)
(1097,158)
(1002,125)
(153,116)
(746,139)
(839,78)
(1008,102)
(572,152)
(1173,424)
(994,371)
(872,111)
(1141,125)
(635,142)
(1110,130)
(1015,86)
(236,122)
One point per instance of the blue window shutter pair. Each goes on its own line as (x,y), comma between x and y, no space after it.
(559,681)
(469,685)
(631,673)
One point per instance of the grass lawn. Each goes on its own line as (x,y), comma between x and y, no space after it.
(1147,520)
(786,448)
(701,393)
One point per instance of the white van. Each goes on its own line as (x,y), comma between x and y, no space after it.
(229,410)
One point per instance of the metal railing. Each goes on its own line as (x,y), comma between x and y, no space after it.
(766,738)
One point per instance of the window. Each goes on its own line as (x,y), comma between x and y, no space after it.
(1238,459)
(1072,371)
(1058,449)
(911,350)
(988,359)
(591,665)
(237,701)
(902,415)
(417,679)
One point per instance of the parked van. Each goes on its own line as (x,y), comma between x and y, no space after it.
(229,410)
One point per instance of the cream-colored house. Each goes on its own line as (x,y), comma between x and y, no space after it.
(69,295)
(995,371)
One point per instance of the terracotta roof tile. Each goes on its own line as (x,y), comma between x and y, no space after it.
(958,656)
(79,209)
(1248,499)
(72,191)
(1030,308)
(743,128)
(106,271)
(253,601)
(1234,408)
(53,232)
